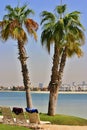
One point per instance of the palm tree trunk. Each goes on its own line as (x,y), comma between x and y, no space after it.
(26,80)
(62,65)
(53,85)
(52,102)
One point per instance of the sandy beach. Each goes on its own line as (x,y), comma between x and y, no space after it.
(61,92)
(62,127)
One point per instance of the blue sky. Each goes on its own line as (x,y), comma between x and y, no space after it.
(40,62)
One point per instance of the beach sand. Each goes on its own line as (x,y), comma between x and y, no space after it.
(1,119)
(62,127)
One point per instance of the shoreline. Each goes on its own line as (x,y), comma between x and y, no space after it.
(61,92)
(47,92)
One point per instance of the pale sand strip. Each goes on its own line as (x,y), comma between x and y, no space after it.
(1,119)
(62,127)
(62,92)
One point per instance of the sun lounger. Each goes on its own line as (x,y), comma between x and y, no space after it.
(1,117)
(34,117)
(7,115)
(19,116)
(0,109)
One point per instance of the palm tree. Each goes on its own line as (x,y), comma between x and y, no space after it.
(66,33)
(12,26)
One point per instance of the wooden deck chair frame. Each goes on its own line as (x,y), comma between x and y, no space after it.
(7,115)
(35,118)
(20,119)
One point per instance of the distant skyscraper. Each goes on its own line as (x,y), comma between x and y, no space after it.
(40,85)
(83,83)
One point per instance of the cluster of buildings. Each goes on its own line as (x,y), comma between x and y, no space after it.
(64,87)
(68,87)
(74,87)
(13,88)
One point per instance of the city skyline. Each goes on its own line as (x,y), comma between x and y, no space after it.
(40,62)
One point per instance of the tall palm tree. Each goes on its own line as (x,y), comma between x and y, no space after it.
(12,26)
(66,33)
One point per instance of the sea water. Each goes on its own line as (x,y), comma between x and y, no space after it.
(68,104)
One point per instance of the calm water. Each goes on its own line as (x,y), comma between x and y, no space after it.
(71,104)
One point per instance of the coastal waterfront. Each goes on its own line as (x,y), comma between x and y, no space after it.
(68,103)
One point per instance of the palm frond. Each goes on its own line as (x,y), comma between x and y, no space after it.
(60,9)
(47,39)
(74,19)
(74,49)
(31,26)
(23,7)
(19,33)
(28,12)
(79,52)
(47,16)
(9,8)
(59,32)
(48,25)
(4,26)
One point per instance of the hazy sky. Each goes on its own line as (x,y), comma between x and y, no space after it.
(40,62)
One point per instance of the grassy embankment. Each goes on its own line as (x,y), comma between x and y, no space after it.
(64,119)
(57,119)
(10,127)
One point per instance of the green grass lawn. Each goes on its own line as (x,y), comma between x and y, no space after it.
(9,127)
(63,119)
(58,119)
